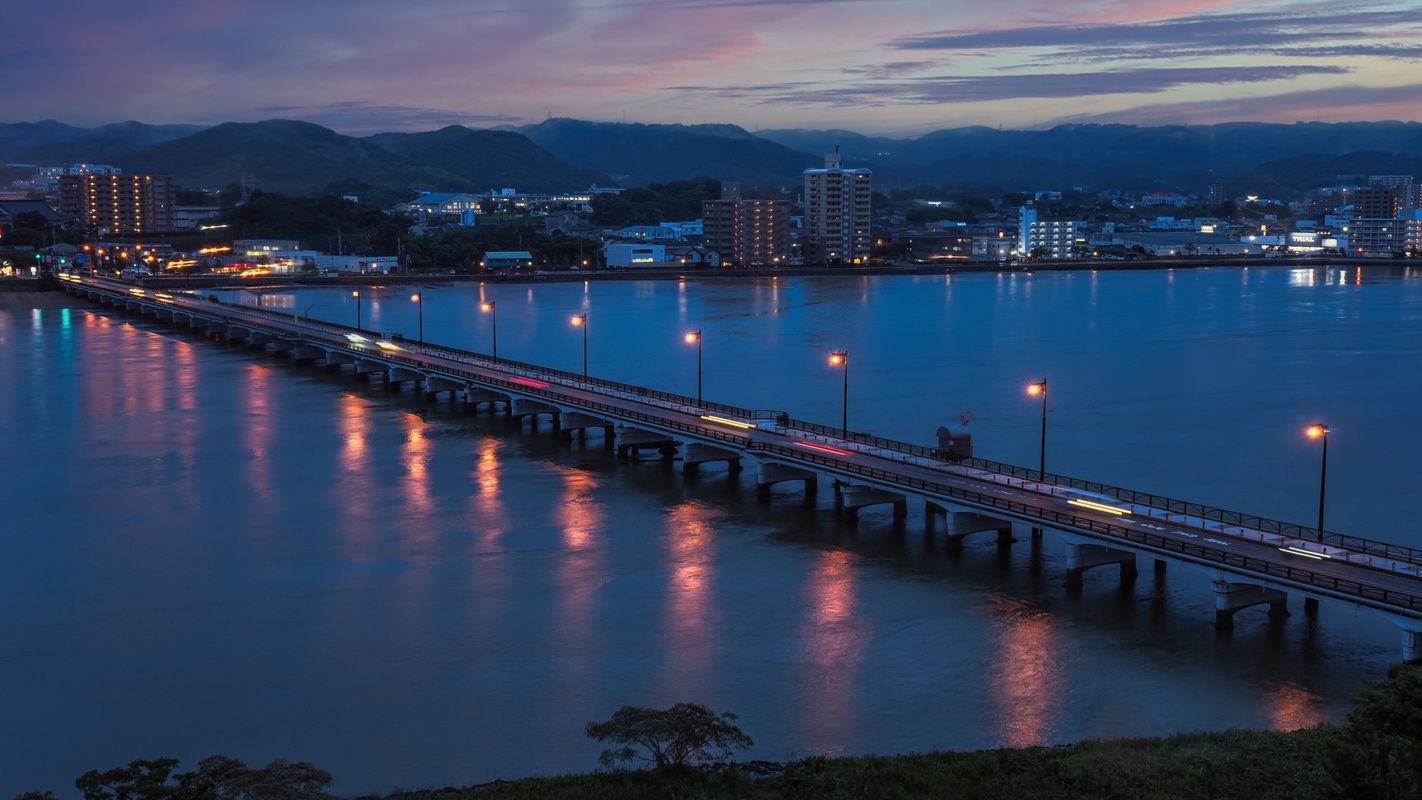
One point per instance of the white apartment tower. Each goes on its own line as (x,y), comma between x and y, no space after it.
(836,223)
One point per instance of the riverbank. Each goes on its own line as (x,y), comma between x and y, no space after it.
(878,270)
(1260,765)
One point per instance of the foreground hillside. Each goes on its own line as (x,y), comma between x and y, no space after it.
(1257,765)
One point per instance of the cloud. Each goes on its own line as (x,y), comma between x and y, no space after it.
(1191,36)
(1333,104)
(985,88)
(357,118)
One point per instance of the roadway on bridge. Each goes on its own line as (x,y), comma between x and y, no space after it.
(1025,501)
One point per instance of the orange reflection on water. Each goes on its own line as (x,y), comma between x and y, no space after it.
(419,504)
(486,505)
(1291,708)
(1025,677)
(579,574)
(690,633)
(352,484)
(833,640)
(257,397)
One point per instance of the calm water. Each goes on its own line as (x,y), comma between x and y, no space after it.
(209,550)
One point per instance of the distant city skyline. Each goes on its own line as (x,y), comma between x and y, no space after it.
(892,67)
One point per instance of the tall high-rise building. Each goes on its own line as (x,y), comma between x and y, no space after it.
(837,214)
(113,204)
(1401,185)
(746,232)
(1374,226)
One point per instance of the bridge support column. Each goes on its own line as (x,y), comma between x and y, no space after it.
(771,473)
(1411,645)
(631,441)
(1231,598)
(697,454)
(1311,607)
(853,498)
(1082,557)
(573,421)
(476,397)
(532,408)
(962,524)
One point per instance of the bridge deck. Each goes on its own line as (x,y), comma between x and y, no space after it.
(1378,575)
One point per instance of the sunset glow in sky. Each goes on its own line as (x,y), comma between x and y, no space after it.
(899,67)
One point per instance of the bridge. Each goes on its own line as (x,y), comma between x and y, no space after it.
(1252,561)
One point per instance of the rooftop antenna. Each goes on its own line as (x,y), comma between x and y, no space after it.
(966,415)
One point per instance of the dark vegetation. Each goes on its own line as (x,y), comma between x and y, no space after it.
(560,155)
(1377,755)
(648,205)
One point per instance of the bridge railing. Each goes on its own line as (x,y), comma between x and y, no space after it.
(1372,594)
(1220,516)
(1167,505)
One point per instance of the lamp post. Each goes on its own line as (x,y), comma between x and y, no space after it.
(1319,431)
(419,298)
(840,358)
(1034,389)
(491,308)
(356,295)
(581,321)
(695,338)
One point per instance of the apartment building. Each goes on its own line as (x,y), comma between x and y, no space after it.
(837,214)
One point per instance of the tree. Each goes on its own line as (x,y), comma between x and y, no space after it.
(1379,754)
(217,778)
(684,732)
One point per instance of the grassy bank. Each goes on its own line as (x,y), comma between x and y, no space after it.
(1258,765)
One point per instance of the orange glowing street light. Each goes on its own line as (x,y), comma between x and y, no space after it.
(581,321)
(840,358)
(356,295)
(491,308)
(1320,431)
(694,337)
(419,297)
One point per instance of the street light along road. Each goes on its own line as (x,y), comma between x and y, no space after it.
(581,321)
(1320,431)
(840,358)
(695,338)
(491,308)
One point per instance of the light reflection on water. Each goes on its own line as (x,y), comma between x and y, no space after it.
(409,595)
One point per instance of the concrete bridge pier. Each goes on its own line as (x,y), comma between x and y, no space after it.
(1411,645)
(851,498)
(632,441)
(1231,598)
(582,423)
(772,472)
(524,408)
(434,385)
(306,352)
(335,358)
(697,454)
(1082,557)
(962,524)
(363,368)
(398,375)
(476,397)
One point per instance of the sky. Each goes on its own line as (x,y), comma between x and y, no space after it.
(890,67)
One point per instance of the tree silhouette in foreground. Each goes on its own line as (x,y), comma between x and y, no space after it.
(686,732)
(217,778)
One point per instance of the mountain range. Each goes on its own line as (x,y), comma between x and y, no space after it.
(566,155)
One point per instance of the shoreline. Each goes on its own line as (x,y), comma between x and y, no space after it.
(570,275)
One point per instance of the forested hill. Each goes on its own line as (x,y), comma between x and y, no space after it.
(566,155)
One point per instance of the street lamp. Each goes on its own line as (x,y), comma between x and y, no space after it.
(581,321)
(840,358)
(419,297)
(695,338)
(491,308)
(356,295)
(1034,389)
(1319,431)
